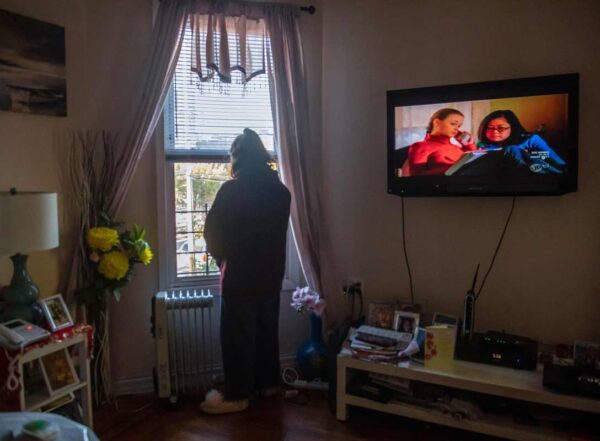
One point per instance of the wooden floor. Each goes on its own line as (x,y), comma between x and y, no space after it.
(143,417)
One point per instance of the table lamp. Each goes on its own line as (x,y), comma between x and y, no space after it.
(28,222)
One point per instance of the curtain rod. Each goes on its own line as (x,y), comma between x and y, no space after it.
(310,9)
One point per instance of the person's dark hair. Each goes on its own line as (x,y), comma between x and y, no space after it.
(517,131)
(442,114)
(248,152)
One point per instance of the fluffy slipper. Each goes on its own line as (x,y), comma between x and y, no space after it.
(215,404)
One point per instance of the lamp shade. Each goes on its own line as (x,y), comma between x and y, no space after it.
(28,222)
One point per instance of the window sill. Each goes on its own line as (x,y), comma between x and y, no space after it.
(213,284)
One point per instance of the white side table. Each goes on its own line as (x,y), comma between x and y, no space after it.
(37,401)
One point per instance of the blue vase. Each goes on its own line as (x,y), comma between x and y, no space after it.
(21,295)
(312,355)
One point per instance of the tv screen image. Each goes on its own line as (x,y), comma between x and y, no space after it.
(494,138)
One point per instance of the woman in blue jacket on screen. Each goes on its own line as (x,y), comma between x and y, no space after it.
(527,151)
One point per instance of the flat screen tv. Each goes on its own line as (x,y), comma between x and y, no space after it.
(509,137)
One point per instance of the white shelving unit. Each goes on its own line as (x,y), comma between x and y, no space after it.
(34,402)
(475,377)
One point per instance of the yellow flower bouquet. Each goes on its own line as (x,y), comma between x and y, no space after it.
(112,257)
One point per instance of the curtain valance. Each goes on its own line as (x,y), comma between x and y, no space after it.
(232,36)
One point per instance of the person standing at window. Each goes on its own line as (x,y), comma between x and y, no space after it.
(246,231)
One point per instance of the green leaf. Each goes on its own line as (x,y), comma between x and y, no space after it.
(128,243)
(138,233)
(104,219)
(116,294)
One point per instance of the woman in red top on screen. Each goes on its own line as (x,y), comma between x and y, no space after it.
(436,153)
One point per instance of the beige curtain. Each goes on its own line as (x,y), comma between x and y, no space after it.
(221,45)
(147,106)
(291,118)
(123,155)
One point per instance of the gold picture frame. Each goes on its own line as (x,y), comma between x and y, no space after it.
(381,315)
(59,372)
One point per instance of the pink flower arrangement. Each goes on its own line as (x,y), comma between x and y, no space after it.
(307,300)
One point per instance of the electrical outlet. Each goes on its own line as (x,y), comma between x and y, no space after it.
(354,292)
(357,282)
(354,286)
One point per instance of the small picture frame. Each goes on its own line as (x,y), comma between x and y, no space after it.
(59,372)
(381,315)
(405,321)
(440,318)
(56,312)
(586,353)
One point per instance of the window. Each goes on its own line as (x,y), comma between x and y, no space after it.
(201,120)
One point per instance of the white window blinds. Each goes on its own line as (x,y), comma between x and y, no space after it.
(207,116)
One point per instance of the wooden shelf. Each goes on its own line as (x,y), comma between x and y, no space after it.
(37,400)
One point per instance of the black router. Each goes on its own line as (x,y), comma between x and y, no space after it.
(500,349)
(496,348)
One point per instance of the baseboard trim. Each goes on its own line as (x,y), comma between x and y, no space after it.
(133,386)
(144,385)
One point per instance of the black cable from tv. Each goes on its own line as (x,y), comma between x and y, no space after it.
(410,280)
(512,208)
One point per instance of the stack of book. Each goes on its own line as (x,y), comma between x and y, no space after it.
(378,344)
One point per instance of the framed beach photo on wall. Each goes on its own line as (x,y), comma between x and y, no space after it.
(33,75)
(56,312)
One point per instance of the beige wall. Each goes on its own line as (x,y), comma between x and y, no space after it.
(27,155)
(545,283)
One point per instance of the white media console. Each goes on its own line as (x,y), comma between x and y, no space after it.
(480,378)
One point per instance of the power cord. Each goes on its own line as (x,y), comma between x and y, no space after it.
(512,208)
(291,377)
(410,279)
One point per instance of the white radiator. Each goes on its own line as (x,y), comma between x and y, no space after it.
(182,329)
